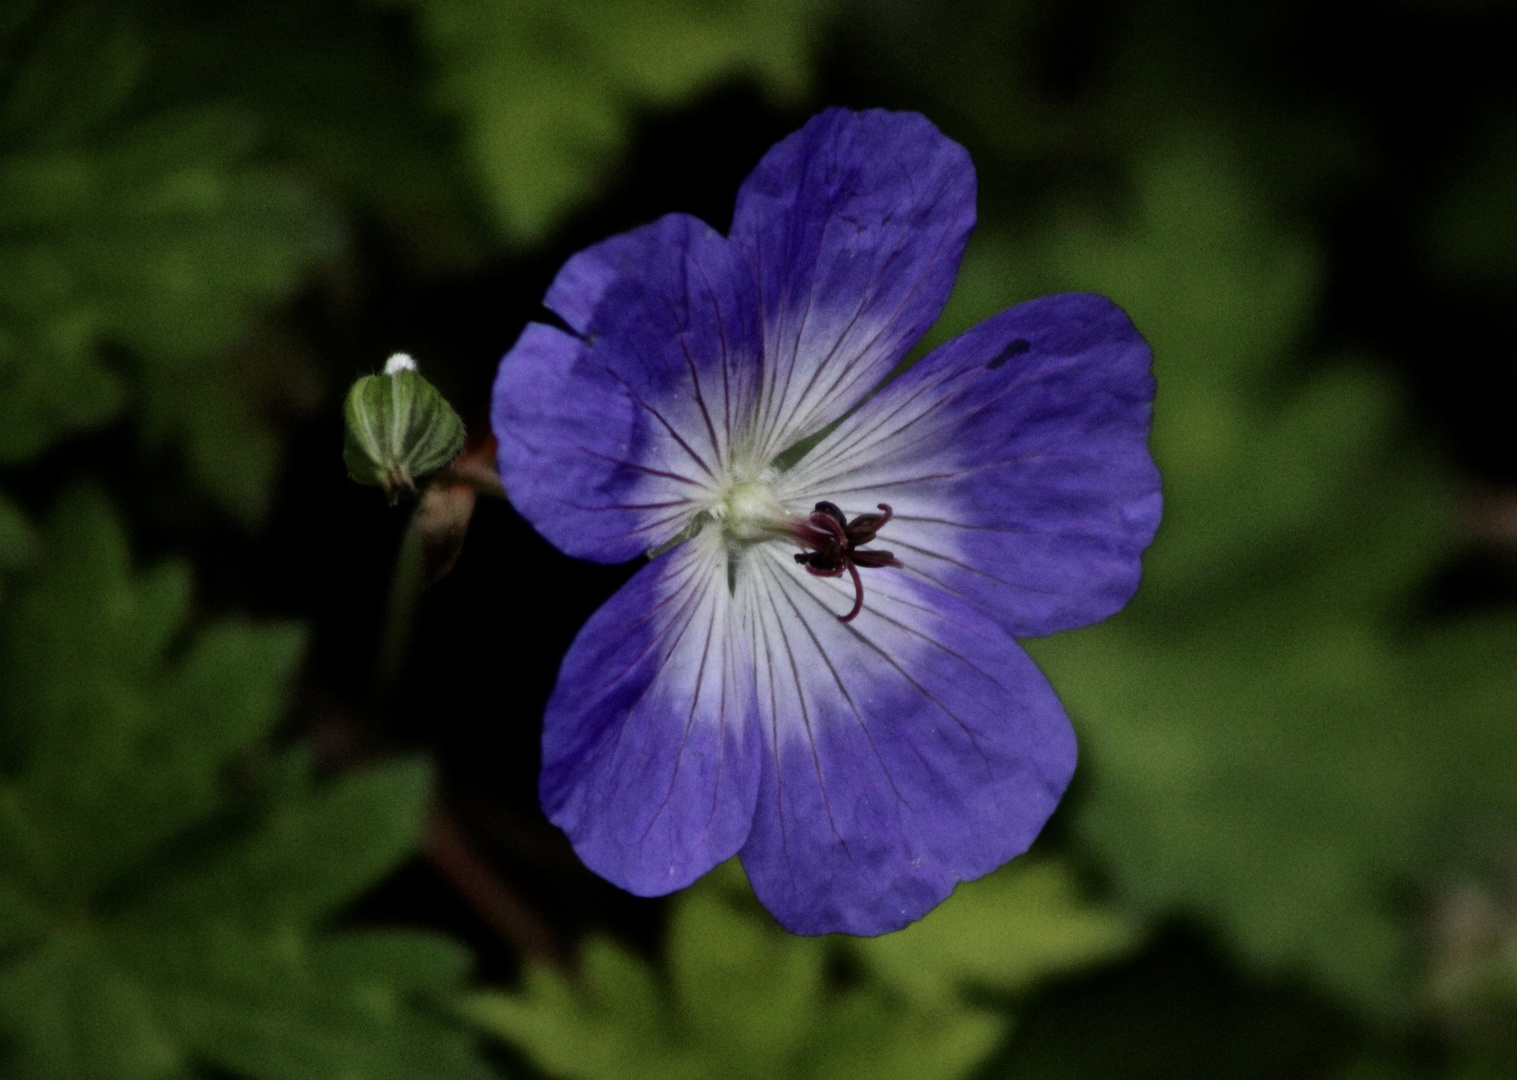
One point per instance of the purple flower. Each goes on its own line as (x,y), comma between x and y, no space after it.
(816,669)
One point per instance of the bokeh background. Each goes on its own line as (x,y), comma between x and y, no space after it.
(266,812)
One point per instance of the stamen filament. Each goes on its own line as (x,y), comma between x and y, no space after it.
(858,595)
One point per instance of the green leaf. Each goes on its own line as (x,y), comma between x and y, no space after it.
(742,999)
(548,90)
(868,1036)
(76,1014)
(285,870)
(721,964)
(1004,932)
(162,891)
(155,234)
(18,541)
(283,1005)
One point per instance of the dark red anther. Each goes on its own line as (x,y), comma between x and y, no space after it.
(833,541)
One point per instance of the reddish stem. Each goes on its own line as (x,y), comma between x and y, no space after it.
(449,850)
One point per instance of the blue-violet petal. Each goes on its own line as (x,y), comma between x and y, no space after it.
(612,436)
(651,752)
(913,748)
(855,226)
(1016,459)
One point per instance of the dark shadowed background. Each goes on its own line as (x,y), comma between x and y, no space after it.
(238,841)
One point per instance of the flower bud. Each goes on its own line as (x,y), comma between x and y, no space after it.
(399,429)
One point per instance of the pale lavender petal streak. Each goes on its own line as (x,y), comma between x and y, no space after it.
(650,749)
(855,226)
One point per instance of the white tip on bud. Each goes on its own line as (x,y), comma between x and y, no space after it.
(399,362)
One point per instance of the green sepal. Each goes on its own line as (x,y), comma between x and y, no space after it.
(398,429)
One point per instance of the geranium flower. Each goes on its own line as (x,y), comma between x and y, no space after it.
(816,668)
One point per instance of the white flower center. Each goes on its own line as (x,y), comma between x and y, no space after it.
(750,512)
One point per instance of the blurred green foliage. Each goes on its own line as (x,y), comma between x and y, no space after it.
(18,542)
(1003,933)
(153,233)
(548,91)
(743,998)
(339,90)
(164,882)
